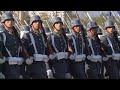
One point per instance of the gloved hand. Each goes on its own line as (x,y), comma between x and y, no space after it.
(72,57)
(20,77)
(2,76)
(29,61)
(46,58)
(2,60)
(52,56)
(105,58)
(21,61)
(49,73)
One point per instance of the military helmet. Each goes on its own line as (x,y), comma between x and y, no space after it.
(47,30)
(92,24)
(109,23)
(75,22)
(6,16)
(35,18)
(56,20)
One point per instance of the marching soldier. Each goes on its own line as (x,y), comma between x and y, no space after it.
(77,58)
(11,49)
(36,47)
(59,47)
(94,58)
(112,49)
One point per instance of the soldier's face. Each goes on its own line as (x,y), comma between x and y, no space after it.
(58,26)
(110,30)
(77,29)
(36,25)
(93,31)
(9,23)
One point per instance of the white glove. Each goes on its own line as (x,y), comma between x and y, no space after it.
(20,77)
(89,57)
(2,60)
(29,61)
(105,58)
(20,62)
(52,56)
(72,57)
(49,73)
(2,76)
(46,58)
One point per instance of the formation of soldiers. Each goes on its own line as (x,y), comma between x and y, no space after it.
(35,52)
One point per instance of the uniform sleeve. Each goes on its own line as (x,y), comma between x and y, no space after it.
(104,43)
(1,42)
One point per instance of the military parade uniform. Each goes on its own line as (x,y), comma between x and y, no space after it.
(36,47)
(77,59)
(113,53)
(59,46)
(94,58)
(11,51)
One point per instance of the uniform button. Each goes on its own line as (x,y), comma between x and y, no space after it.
(16,51)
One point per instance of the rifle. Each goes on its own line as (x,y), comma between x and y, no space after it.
(21,43)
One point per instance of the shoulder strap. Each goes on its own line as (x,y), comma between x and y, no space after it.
(33,42)
(4,41)
(110,44)
(53,43)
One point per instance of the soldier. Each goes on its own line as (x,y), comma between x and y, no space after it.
(36,47)
(94,58)
(112,49)
(77,58)
(11,49)
(59,47)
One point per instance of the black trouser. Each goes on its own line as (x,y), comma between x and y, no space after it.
(77,69)
(37,70)
(23,71)
(94,68)
(59,68)
(11,71)
(112,68)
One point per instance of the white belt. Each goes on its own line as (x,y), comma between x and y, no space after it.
(79,57)
(116,56)
(14,60)
(40,57)
(95,58)
(62,55)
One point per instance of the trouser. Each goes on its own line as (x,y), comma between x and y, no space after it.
(37,70)
(11,71)
(23,71)
(59,68)
(112,68)
(77,69)
(93,71)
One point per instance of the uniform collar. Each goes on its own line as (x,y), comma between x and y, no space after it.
(78,35)
(57,33)
(9,31)
(35,32)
